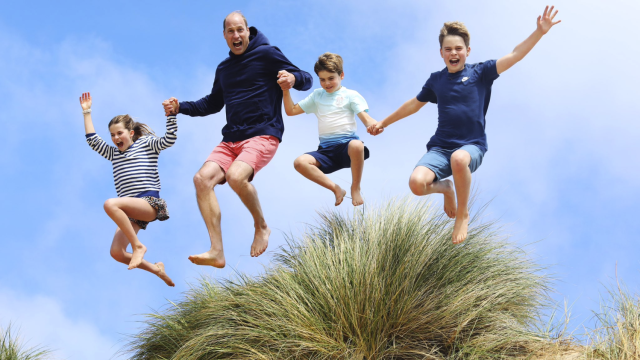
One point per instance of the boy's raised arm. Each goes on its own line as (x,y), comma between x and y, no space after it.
(289,108)
(545,22)
(408,108)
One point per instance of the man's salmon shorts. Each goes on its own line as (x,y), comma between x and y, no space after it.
(257,152)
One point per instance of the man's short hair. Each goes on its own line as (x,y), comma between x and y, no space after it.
(224,22)
(455,28)
(329,62)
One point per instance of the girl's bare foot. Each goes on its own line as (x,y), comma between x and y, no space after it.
(460,229)
(138,254)
(356,198)
(450,206)
(163,275)
(260,241)
(339,193)
(212,258)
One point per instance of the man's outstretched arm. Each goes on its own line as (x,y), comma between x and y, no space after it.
(208,105)
(545,22)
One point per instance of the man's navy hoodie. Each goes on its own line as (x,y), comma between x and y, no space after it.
(247,85)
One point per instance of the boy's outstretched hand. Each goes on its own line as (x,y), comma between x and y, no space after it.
(85,101)
(375,129)
(545,22)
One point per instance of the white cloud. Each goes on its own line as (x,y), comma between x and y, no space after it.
(43,321)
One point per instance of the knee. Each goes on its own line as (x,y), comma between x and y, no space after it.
(356,147)
(110,206)
(235,181)
(299,163)
(118,255)
(201,182)
(417,184)
(460,160)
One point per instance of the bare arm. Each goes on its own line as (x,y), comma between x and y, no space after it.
(545,22)
(366,119)
(408,108)
(289,107)
(85,102)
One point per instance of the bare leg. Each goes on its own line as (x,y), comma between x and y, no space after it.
(205,180)
(119,210)
(309,167)
(422,183)
(238,178)
(356,153)
(120,254)
(460,161)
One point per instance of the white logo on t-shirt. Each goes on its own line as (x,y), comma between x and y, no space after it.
(339,101)
(465,79)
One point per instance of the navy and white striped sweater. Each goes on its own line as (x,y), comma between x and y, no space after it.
(135,171)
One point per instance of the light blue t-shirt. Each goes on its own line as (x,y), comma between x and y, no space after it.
(336,113)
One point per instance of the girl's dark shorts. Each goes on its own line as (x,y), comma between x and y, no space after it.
(161,209)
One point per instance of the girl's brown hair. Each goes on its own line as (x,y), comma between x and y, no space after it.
(139,129)
(455,28)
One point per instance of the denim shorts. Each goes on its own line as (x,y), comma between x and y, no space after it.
(335,157)
(438,160)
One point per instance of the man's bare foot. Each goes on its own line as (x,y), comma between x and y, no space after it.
(211,258)
(450,206)
(138,254)
(460,229)
(163,275)
(356,198)
(339,193)
(260,241)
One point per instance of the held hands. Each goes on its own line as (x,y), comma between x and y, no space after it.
(171,106)
(375,129)
(286,80)
(545,22)
(85,101)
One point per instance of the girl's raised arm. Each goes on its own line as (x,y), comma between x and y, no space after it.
(85,102)
(158,144)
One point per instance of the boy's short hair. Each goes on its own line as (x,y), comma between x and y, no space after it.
(224,22)
(454,28)
(329,62)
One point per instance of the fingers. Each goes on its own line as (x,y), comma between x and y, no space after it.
(544,14)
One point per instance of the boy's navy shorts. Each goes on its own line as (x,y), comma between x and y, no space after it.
(438,160)
(335,157)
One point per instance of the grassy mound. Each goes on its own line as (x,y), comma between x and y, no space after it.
(12,348)
(383,284)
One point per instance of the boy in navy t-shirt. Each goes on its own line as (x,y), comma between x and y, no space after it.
(462,92)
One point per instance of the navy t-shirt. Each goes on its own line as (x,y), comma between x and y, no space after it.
(463,100)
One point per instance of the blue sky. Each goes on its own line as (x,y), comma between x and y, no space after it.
(561,169)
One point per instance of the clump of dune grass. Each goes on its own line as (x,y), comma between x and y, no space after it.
(617,331)
(386,283)
(12,348)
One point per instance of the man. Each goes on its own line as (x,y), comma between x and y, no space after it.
(245,83)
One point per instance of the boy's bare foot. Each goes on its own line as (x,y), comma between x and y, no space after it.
(163,275)
(138,254)
(211,258)
(340,194)
(260,241)
(450,206)
(460,229)
(356,198)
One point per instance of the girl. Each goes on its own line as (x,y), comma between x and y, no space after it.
(135,173)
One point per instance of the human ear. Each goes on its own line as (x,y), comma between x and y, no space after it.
(342,76)
(441,53)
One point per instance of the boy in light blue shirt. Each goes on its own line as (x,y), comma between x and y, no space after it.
(336,107)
